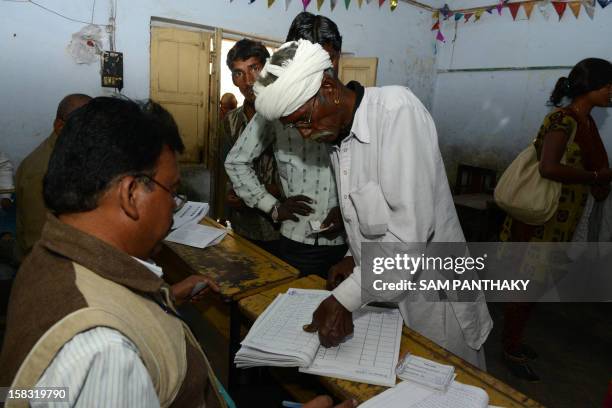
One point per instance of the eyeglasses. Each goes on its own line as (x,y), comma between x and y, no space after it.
(303,124)
(179,199)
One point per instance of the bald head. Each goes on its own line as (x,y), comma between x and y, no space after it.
(228,102)
(66,106)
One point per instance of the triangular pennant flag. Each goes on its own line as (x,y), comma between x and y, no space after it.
(359,3)
(575,6)
(458,16)
(603,3)
(514,8)
(436,15)
(287,2)
(392,4)
(436,26)
(589,8)
(270,3)
(445,11)
(346,3)
(490,10)
(560,7)
(440,37)
(332,4)
(368,1)
(380,3)
(528,7)
(499,7)
(305,3)
(251,1)
(320,4)
(467,16)
(478,14)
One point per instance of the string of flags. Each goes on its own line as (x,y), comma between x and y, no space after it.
(333,3)
(474,14)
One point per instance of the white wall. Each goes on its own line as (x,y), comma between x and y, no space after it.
(36,71)
(486,118)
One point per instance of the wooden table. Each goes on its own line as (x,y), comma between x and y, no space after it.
(239,267)
(500,394)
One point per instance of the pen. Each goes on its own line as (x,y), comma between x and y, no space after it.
(291,404)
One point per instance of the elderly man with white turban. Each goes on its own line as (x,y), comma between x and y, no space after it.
(391,183)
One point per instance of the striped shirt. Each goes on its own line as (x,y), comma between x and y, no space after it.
(304,169)
(101,368)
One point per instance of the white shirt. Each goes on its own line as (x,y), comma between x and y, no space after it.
(6,175)
(392,187)
(101,368)
(303,169)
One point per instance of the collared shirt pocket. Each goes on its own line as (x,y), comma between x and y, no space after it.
(372,209)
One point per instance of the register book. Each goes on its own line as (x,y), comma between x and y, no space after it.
(277,339)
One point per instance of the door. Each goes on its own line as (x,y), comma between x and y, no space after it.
(180,82)
(362,70)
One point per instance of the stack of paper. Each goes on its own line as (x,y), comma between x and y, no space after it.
(425,372)
(196,235)
(410,395)
(277,339)
(191,213)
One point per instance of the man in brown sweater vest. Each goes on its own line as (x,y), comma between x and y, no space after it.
(87,311)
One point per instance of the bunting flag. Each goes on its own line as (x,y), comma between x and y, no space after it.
(604,3)
(514,8)
(440,37)
(380,3)
(332,4)
(305,3)
(445,11)
(560,7)
(270,3)
(575,6)
(359,3)
(436,15)
(542,7)
(436,26)
(467,16)
(320,4)
(528,7)
(287,2)
(499,7)
(458,16)
(589,8)
(393,4)
(478,14)
(490,10)
(346,3)
(251,1)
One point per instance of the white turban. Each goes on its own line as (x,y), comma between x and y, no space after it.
(297,81)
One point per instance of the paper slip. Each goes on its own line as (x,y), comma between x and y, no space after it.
(315,227)
(425,372)
(192,212)
(196,235)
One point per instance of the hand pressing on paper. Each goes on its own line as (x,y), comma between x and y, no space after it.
(324,401)
(182,290)
(332,321)
(339,272)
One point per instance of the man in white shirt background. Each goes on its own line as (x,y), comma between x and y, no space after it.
(392,187)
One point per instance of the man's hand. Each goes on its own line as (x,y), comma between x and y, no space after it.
(339,272)
(182,290)
(332,321)
(233,201)
(323,401)
(294,205)
(334,220)
(274,190)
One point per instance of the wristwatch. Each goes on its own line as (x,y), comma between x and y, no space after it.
(274,212)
